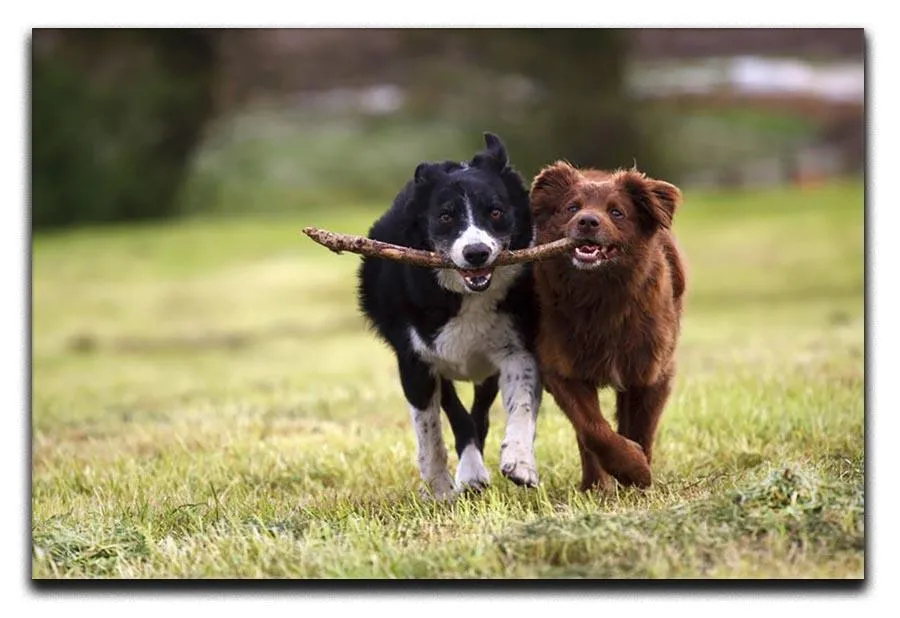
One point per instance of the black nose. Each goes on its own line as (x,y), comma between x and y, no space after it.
(476,254)
(588,221)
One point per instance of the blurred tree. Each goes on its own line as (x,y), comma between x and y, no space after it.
(116,115)
(551,93)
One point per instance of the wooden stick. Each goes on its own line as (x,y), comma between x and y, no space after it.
(416,257)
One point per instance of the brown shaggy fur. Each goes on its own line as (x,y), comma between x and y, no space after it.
(613,325)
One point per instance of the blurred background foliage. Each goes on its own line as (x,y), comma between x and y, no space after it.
(117,116)
(143,124)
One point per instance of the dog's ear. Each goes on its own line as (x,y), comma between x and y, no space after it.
(425,178)
(549,187)
(426,173)
(494,156)
(669,198)
(656,200)
(496,149)
(554,178)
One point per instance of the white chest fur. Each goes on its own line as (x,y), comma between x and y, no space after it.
(466,347)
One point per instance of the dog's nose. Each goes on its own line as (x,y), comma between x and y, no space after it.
(476,254)
(588,222)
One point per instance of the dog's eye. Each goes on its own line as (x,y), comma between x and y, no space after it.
(446,217)
(573,208)
(616,213)
(496,214)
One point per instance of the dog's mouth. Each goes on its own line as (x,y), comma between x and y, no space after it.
(477,280)
(590,253)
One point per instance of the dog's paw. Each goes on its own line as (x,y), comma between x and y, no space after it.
(630,465)
(471,475)
(601,483)
(440,487)
(518,465)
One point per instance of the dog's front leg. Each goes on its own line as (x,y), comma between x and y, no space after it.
(593,476)
(520,386)
(620,456)
(639,409)
(423,392)
(470,473)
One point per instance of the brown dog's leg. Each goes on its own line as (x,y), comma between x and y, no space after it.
(616,454)
(622,414)
(639,409)
(593,476)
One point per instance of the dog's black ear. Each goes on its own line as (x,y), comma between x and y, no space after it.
(656,200)
(427,173)
(423,173)
(496,149)
(494,156)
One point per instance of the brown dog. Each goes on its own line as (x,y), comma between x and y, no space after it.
(610,310)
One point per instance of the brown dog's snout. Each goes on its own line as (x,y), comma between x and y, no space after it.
(587,222)
(587,225)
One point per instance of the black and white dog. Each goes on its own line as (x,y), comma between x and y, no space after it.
(475,322)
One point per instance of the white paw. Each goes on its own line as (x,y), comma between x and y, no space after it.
(441,487)
(471,473)
(518,465)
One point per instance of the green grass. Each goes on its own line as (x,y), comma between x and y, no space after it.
(208,403)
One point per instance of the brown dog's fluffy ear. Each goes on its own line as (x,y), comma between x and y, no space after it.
(658,200)
(549,186)
(554,178)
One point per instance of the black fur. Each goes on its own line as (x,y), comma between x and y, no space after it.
(395,296)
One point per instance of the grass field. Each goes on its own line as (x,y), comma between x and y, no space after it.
(206,402)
